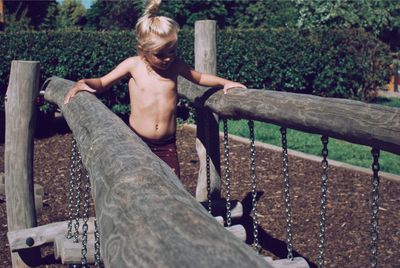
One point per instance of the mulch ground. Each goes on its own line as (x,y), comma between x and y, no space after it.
(348,209)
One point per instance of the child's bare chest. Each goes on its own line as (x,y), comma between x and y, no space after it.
(151,82)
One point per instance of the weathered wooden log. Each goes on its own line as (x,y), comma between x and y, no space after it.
(41,235)
(297,262)
(145,216)
(70,252)
(205,49)
(237,230)
(354,121)
(20,109)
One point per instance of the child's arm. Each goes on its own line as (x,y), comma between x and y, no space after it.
(99,85)
(207,80)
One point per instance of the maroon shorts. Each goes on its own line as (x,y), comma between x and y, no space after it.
(166,151)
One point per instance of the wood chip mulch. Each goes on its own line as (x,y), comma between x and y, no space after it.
(348,208)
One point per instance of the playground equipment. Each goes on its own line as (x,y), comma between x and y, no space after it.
(130,186)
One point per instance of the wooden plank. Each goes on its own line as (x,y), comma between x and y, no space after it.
(205,49)
(42,235)
(146,218)
(70,252)
(20,111)
(297,262)
(238,231)
(349,120)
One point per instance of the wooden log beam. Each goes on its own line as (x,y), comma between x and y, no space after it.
(145,216)
(41,235)
(70,252)
(297,262)
(207,139)
(20,109)
(354,121)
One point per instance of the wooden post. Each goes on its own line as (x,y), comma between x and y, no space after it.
(207,123)
(1,15)
(396,76)
(20,109)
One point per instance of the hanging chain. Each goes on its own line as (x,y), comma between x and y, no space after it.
(208,182)
(253,173)
(85,226)
(72,173)
(374,207)
(97,260)
(227,174)
(286,194)
(77,196)
(323,200)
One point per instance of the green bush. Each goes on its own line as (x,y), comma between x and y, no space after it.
(337,63)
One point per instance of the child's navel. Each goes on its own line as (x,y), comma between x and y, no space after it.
(156,126)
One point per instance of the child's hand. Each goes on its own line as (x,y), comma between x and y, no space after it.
(230,85)
(79,86)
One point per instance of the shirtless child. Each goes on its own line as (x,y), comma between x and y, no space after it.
(153,83)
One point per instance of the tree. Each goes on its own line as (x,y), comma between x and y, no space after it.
(372,15)
(71,14)
(114,15)
(269,13)
(23,15)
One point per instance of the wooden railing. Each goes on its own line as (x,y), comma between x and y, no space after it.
(146,217)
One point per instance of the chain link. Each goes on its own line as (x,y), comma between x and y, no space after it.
(286,194)
(227,174)
(85,226)
(253,175)
(208,182)
(374,207)
(323,200)
(72,172)
(97,260)
(77,195)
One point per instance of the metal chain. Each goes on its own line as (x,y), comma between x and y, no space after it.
(253,175)
(97,260)
(72,172)
(323,200)
(374,207)
(286,194)
(85,226)
(208,182)
(227,174)
(77,196)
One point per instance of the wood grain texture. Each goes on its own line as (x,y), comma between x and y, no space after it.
(349,120)
(42,235)
(20,109)
(207,139)
(146,218)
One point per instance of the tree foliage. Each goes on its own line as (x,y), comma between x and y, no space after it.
(71,14)
(25,15)
(114,15)
(372,15)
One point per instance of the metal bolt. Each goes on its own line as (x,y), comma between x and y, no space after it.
(30,242)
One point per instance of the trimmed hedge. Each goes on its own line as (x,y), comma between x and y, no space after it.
(347,63)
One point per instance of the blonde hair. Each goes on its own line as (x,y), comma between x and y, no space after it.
(152,31)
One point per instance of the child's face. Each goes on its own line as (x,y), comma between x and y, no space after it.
(162,58)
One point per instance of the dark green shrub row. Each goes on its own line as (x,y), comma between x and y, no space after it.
(340,63)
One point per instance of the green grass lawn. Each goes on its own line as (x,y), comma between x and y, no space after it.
(358,155)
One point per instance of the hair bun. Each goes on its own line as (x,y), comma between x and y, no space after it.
(152,8)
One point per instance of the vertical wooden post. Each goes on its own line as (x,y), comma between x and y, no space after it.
(207,123)
(20,109)
(1,15)
(396,76)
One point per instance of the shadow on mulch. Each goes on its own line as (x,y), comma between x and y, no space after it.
(265,240)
